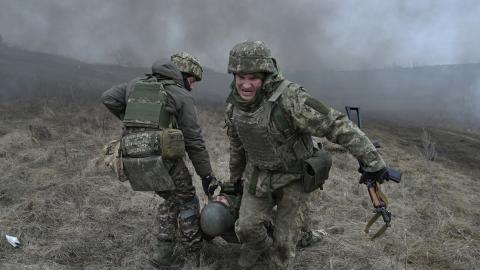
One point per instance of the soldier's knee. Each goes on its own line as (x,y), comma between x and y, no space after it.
(244,226)
(249,229)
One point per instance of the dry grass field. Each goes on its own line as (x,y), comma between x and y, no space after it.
(70,213)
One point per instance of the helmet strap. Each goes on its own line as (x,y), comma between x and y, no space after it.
(185,81)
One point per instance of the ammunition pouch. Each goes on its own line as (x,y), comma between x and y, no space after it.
(148,174)
(168,143)
(141,144)
(316,170)
(303,147)
(172,143)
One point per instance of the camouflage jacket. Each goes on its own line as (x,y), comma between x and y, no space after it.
(180,103)
(308,116)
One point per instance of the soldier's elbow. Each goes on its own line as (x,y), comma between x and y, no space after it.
(105,98)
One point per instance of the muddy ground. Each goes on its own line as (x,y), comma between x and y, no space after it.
(71,213)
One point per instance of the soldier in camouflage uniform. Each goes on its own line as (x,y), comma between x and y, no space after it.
(178,217)
(270,123)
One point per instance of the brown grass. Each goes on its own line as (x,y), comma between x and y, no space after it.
(70,214)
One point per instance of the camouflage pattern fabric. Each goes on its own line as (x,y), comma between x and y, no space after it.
(177,218)
(180,103)
(310,117)
(251,57)
(255,214)
(306,116)
(177,221)
(314,119)
(307,237)
(187,63)
(113,160)
(266,145)
(238,159)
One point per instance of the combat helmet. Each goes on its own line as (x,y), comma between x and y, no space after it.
(251,57)
(216,219)
(187,63)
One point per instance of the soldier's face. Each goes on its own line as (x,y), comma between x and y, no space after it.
(222,199)
(247,85)
(191,81)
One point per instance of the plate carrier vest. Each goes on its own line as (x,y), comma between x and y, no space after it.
(272,146)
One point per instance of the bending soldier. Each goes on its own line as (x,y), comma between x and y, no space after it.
(153,109)
(270,123)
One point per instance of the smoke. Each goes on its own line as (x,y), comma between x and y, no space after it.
(303,34)
(475,101)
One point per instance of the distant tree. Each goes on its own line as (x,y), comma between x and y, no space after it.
(1,40)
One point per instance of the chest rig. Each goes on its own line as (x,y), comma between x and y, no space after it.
(269,140)
(149,138)
(148,124)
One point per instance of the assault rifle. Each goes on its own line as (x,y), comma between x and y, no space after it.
(379,200)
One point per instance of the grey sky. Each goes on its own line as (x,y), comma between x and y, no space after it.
(303,34)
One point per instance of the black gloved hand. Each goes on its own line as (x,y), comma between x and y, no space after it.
(209,184)
(377,176)
(238,186)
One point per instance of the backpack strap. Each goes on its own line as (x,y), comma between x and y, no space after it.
(278,92)
(167,82)
(279,116)
(171,122)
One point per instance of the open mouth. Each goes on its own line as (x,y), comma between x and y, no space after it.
(248,92)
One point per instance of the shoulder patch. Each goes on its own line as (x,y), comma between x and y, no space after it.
(293,90)
(316,105)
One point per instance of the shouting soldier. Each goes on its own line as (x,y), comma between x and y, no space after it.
(270,123)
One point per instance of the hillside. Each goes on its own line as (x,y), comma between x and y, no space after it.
(425,96)
(32,75)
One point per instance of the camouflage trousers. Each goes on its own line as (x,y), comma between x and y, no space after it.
(255,213)
(177,221)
